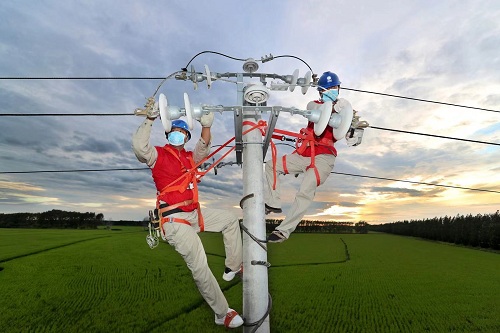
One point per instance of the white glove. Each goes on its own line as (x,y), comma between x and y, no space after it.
(354,136)
(153,111)
(207,120)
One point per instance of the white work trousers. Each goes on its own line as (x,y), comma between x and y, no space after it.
(185,240)
(297,164)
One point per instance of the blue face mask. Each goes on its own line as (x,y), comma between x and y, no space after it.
(331,94)
(176,138)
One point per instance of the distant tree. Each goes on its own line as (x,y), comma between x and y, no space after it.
(361,227)
(469,230)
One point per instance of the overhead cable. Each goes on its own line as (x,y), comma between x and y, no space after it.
(82,78)
(130,114)
(435,136)
(62,114)
(162,78)
(74,170)
(421,100)
(417,183)
(213,52)
(334,172)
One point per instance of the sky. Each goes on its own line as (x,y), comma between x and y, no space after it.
(446,51)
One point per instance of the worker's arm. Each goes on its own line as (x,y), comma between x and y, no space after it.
(202,148)
(143,150)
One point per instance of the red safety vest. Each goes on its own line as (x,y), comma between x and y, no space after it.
(170,165)
(324,142)
(309,145)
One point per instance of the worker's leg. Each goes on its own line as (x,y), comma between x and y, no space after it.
(218,220)
(294,164)
(185,240)
(272,195)
(324,164)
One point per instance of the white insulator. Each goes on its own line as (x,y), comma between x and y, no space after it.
(293,82)
(256,93)
(189,111)
(250,65)
(306,82)
(279,86)
(165,118)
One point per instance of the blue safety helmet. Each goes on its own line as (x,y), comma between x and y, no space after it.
(328,80)
(183,125)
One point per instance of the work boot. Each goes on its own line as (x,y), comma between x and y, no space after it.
(229,274)
(276,237)
(231,320)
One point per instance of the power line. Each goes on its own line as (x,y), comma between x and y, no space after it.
(76,170)
(130,114)
(435,136)
(333,172)
(417,183)
(162,78)
(62,114)
(81,78)
(421,100)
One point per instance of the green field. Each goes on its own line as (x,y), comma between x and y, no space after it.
(110,281)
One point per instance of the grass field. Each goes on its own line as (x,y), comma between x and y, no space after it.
(110,281)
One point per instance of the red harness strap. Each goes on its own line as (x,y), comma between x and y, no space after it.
(304,139)
(194,174)
(190,178)
(313,165)
(285,169)
(167,219)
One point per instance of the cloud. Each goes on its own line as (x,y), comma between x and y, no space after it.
(443,51)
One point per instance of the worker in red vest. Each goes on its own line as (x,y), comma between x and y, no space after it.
(179,210)
(315,162)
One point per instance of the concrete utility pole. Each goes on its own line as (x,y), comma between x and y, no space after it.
(255,279)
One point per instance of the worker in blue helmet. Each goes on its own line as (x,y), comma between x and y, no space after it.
(179,134)
(178,214)
(327,81)
(316,164)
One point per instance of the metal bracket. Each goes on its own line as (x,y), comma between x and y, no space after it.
(238,136)
(273,118)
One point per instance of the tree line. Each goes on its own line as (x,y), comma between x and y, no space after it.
(52,219)
(477,231)
(307,226)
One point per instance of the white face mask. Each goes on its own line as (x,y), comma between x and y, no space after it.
(176,138)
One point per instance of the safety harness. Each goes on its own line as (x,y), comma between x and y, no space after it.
(193,175)
(304,139)
(189,178)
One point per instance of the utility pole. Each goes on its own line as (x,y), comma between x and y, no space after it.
(250,148)
(255,278)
